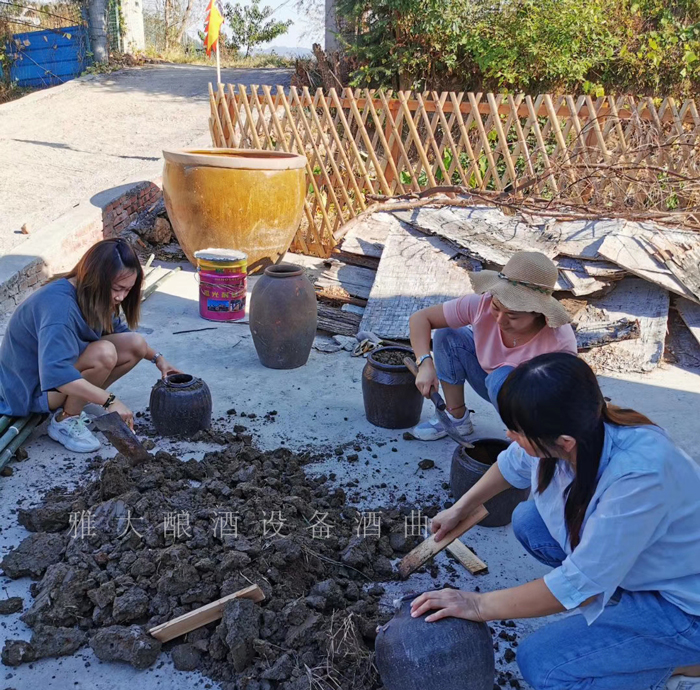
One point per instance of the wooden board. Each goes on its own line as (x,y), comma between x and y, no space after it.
(632,298)
(690,313)
(368,237)
(353,280)
(467,558)
(575,274)
(581,239)
(203,615)
(597,334)
(603,269)
(482,232)
(429,548)
(416,271)
(336,321)
(635,255)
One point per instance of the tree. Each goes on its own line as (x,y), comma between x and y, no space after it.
(251,25)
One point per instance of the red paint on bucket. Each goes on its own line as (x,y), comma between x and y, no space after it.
(222,297)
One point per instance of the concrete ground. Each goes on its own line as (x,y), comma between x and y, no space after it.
(64,146)
(319,406)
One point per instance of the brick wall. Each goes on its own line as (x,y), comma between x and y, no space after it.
(117,215)
(29,272)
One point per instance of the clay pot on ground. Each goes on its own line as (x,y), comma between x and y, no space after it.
(248,200)
(450,654)
(470,464)
(180,405)
(389,391)
(283,317)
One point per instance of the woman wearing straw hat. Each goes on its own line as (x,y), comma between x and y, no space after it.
(480,338)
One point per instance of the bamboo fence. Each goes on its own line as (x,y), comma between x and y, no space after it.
(608,152)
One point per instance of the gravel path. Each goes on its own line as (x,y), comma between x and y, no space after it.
(63,147)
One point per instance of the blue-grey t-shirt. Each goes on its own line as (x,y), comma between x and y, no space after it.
(44,338)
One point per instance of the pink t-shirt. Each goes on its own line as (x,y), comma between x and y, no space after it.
(475,310)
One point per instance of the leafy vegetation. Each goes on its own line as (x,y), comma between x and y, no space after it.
(583,46)
(251,25)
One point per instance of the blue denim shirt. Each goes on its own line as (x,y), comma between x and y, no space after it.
(642,528)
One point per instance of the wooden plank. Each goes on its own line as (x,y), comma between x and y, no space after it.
(636,256)
(203,615)
(370,262)
(632,298)
(336,321)
(581,283)
(597,334)
(690,313)
(484,233)
(603,269)
(368,237)
(416,271)
(429,548)
(581,239)
(353,280)
(467,558)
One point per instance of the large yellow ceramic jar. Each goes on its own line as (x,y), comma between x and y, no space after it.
(247,200)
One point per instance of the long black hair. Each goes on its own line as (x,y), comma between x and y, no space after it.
(557,394)
(95,274)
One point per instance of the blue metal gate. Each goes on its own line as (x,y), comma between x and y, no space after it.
(50,57)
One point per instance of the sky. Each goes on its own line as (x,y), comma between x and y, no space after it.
(301,33)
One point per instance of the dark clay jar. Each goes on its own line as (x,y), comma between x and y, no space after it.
(391,398)
(470,464)
(180,405)
(283,317)
(449,654)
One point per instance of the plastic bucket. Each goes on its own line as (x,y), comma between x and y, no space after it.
(222,297)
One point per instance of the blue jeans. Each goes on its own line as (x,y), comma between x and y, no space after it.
(456,362)
(635,644)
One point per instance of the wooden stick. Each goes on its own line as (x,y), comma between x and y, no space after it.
(467,558)
(429,548)
(203,615)
(154,286)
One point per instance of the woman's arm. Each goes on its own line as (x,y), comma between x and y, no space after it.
(527,601)
(421,325)
(491,484)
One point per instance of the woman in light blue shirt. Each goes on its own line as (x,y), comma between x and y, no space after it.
(615,513)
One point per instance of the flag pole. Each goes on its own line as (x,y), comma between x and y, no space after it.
(218,65)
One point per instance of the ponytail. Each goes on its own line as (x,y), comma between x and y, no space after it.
(557,395)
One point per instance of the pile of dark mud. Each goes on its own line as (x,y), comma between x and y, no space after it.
(141,545)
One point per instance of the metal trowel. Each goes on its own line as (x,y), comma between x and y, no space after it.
(440,409)
(121,437)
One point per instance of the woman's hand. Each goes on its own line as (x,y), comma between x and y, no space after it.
(124,412)
(427,379)
(166,369)
(448,603)
(446,521)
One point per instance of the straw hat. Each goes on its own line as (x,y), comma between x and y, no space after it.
(526,283)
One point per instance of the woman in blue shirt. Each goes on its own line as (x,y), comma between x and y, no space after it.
(615,513)
(66,344)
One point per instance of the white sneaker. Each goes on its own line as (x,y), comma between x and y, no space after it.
(433,429)
(73,433)
(683,683)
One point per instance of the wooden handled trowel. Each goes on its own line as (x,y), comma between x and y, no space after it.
(121,437)
(440,408)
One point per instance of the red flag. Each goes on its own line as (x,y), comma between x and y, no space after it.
(212,26)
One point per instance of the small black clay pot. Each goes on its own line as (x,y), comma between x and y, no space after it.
(470,464)
(389,391)
(180,405)
(450,654)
